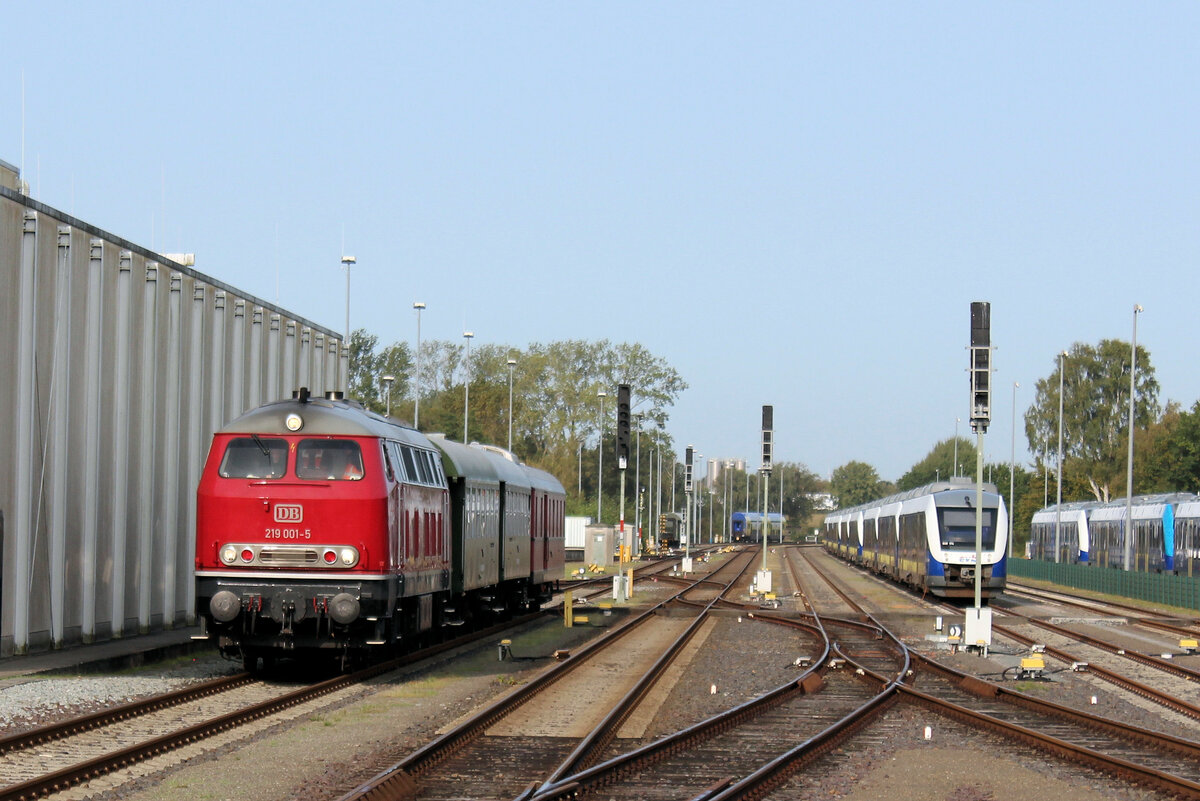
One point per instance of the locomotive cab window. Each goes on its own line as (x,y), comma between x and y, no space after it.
(958,528)
(254,457)
(329,460)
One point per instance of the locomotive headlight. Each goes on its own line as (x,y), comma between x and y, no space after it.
(293,422)
(348,556)
(229,554)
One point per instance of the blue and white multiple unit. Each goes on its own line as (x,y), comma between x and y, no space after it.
(1166,533)
(1072,541)
(926,538)
(746,526)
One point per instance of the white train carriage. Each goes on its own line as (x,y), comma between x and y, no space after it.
(1073,541)
(925,538)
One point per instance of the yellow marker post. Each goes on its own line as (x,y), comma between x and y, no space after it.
(568,610)
(629,588)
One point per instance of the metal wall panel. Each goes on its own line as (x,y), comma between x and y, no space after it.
(120,366)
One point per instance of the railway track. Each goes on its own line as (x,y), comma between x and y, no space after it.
(1163,762)
(52,758)
(451,766)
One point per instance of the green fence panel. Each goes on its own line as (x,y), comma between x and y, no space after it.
(1160,588)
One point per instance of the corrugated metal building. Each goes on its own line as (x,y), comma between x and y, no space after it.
(120,364)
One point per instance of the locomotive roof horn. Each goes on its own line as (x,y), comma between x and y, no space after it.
(300,394)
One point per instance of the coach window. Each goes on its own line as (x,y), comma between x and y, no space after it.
(410,467)
(423,466)
(329,460)
(397,460)
(387,461)
(254,457)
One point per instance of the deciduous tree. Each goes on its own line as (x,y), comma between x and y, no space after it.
(1095,402)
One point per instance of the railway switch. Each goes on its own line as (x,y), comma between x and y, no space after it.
(1188,645)
(504,650)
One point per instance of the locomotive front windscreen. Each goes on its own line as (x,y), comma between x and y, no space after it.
(254,457)
(329,460)
(957,528)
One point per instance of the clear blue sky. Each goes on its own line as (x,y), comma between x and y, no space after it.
(792,203)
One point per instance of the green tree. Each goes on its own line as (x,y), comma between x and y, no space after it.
(939,464)
(1167,454)
(555,407)
(369,364)
(856,482)
(1095,403)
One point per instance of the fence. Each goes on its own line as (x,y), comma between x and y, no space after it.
(1159,588)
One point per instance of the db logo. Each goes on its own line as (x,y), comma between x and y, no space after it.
(289,513)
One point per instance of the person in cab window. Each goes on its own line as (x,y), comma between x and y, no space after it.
(353,470)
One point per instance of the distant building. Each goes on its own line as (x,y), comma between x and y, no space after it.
(716,466)
(822,501)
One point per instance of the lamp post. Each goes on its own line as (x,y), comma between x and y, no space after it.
(347,261)
(637,479)
(1129,472)
(1062,361)
(511,364)
(600,464)
(418,306)
(748,492)
(1012,470)
(712,510)
(725,504)
(387,380)
(957,420)
(467,335)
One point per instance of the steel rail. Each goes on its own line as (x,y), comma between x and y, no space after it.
(778,770)
(802,754)
(1091,603)
(595,741)
(988,689)
(89,769)
(1138,656)
(1151,777)
(1165,665)
(400,780)
(132,709)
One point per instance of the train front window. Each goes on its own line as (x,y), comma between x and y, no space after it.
(958,528)
(329,460)
(254,457)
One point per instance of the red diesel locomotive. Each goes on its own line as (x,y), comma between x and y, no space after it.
(324,527)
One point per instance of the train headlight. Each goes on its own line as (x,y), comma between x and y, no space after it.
(229,554)
(293,422)
(348,556)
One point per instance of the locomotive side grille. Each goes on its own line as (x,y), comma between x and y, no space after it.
(287,556)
